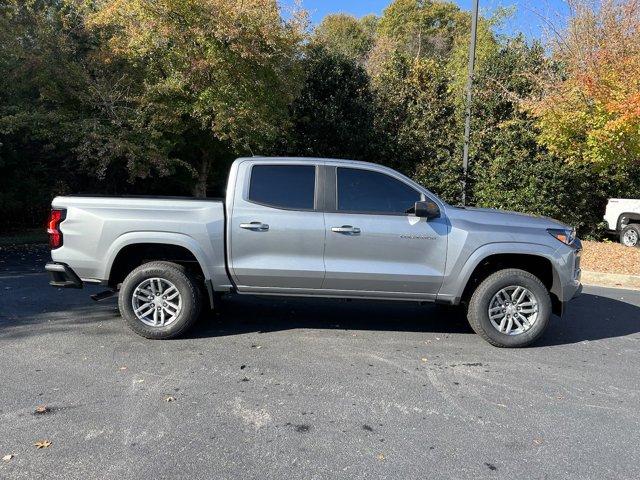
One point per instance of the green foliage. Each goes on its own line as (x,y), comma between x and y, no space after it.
(422,27)
(415,122)
(333,114)
(56,107)
(511,169)
(133,96)
(346,35)
(458,61)
(217,71)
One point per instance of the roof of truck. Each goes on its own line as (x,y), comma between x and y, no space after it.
(260,158)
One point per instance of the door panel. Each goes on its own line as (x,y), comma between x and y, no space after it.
(372,244)
(401,254)
(276,247)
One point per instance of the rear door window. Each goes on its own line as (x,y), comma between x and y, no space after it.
(283,186)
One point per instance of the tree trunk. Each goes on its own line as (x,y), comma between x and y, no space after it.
(200,186)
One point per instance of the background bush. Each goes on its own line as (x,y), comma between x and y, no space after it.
(119,97)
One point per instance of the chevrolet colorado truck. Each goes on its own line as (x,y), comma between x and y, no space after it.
(318,228)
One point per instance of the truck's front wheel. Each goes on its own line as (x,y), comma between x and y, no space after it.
(160,300)
(510,308)
(630,235)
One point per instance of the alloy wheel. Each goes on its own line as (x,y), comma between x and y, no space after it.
(513,310)
(156,302)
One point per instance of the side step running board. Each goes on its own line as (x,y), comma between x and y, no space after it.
(98,297)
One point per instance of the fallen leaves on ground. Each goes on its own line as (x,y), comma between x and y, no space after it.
(41,409)
(42,444)
(609,257)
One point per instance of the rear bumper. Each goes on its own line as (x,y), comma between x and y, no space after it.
(61,275)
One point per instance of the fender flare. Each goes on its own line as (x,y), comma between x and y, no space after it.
(165,238)
(457,282)
(628,215)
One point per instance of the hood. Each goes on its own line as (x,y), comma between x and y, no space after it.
(505,217)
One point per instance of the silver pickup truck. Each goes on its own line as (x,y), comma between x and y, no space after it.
(315,227)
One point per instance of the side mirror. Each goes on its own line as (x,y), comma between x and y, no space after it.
(427,209)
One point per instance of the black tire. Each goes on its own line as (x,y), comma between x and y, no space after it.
(187,286)
(478,311)
(631,228)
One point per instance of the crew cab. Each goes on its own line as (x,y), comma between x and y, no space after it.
(315,227)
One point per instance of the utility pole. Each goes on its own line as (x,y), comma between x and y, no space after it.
(467,117)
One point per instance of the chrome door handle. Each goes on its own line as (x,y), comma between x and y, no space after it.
(346,229)
(255,226)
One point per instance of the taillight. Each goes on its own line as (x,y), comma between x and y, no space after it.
(53,227)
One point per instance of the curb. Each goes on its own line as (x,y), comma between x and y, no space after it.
(612,280)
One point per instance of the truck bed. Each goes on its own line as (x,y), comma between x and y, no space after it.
(97,227)
(144,197)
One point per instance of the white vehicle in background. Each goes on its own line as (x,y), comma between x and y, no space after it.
(623,217)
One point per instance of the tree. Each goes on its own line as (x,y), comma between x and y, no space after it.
(346,35)
(219,73)
(422,27)
(58,107)
(415,116)
(333,114)
(511,168)
(590,108)
(415,122)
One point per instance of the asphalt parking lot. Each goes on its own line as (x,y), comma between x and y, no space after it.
(311,389)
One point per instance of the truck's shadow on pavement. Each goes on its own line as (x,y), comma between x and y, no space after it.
(252,314)
(592,317)
(28,307)
(589,317)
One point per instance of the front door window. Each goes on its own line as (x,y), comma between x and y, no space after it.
(365,191)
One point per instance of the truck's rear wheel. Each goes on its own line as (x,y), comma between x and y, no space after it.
(630,235)
(510,308)
(160,300)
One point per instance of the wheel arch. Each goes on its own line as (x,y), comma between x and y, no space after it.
(133,249)
(631,217)
(536,259)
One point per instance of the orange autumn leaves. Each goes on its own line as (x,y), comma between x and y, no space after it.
(590,107)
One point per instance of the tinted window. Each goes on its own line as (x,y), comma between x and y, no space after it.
(366,191)
(284,186)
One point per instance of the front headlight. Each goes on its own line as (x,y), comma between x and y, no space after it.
(565,235)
